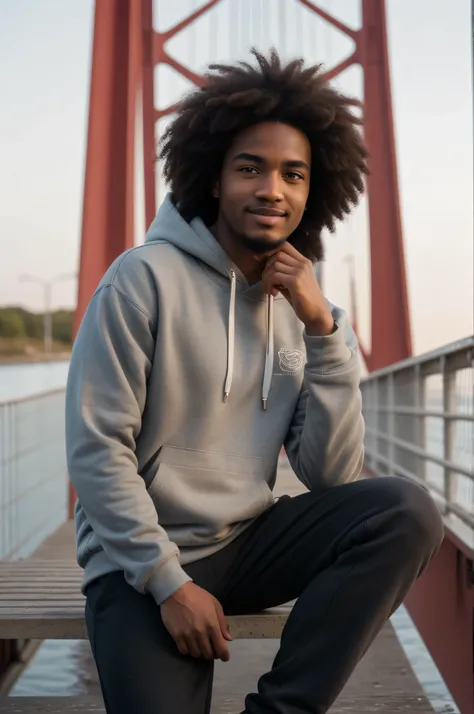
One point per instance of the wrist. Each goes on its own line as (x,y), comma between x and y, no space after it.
(178,595)
(320,328)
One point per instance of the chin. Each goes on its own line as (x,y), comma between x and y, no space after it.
(262,243)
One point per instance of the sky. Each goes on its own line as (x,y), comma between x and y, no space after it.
(45,55)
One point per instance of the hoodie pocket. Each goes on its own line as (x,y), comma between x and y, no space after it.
(201,496)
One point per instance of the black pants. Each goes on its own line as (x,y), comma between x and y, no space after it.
(349,555)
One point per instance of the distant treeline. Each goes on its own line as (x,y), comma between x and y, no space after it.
(15,322)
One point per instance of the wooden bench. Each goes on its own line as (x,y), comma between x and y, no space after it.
(41,599)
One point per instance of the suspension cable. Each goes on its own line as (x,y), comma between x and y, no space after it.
(282,26)
(191,30)
(214,34)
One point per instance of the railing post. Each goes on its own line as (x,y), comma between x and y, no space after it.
(449,428)
(391,424)
(375,463)
(419,436)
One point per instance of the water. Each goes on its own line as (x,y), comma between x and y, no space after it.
(24,380)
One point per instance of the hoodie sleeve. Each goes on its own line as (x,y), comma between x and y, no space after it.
(105,399)
(325,441)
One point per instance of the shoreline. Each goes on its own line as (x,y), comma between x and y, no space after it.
(12,360)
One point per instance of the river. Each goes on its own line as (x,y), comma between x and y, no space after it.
(24,380)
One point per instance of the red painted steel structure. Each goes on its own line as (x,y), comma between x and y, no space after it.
(126,51)
(442,607)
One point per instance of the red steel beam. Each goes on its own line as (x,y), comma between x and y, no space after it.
(125,53)
(148,109)
(442,607)
(391,333)
(108,204)
(105,228)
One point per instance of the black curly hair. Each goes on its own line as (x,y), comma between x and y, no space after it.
(233,98)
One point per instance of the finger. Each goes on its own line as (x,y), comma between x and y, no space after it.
(205,645)
(219,645)
(267,282)
(193,646)
(223,622)
(289,259)
(273,281)
(278,283)
(282,257)
(280,267)
(279,279)
(182,647)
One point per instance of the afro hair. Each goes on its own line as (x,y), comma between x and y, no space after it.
(234,97)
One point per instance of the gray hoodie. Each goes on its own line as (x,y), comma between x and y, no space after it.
(184,384)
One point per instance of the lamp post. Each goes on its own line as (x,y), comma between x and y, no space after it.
(47,286)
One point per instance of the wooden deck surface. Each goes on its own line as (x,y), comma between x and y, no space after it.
(383,681)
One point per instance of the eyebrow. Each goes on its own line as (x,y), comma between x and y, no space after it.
(294,164)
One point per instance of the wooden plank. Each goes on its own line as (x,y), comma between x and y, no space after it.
(370,704)
(39,593)
(42,599)
(56,628)
(382,682)
(68,623)
(39,564)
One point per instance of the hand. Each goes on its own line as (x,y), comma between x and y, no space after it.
(289,272)
(196,622)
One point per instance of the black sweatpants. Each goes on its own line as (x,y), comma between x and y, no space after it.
(349,556)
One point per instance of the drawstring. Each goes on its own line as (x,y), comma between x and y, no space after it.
(267,375)
(269,347)
(230,338)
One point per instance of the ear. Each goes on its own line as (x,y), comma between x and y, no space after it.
(215,191)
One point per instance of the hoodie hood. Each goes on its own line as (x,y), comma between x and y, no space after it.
(196,239)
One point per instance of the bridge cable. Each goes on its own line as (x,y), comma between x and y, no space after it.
(328,39)
(214,35)
(191,32)
(282,28)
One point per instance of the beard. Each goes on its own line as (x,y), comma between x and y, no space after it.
(259,246)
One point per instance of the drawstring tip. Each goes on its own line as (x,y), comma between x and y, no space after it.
(226,397)
(264,403)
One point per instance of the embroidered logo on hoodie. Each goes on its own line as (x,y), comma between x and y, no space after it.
(291,361)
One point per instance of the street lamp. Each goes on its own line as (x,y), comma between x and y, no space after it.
(47,286)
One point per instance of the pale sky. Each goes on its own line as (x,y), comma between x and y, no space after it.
(45,53)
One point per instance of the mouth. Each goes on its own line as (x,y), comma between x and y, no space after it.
(267,216)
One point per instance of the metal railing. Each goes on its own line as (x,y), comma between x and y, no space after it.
(419,416)
(33,474)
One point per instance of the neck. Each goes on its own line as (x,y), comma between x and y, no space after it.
(250,264)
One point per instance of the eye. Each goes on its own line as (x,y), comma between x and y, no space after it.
(293,176)
(248,169)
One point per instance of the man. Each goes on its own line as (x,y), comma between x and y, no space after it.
(202,352)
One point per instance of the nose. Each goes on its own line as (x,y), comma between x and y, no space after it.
(270,187)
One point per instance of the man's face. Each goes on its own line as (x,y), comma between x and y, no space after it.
(264,185)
